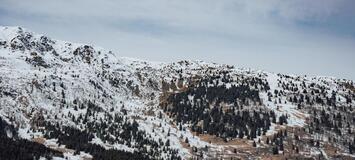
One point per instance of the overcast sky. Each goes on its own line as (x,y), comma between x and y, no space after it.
(313,37)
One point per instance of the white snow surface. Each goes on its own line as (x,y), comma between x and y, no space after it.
(32,97)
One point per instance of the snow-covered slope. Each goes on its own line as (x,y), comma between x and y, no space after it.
(51,89)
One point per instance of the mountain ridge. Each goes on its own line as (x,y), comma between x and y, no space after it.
(127,107)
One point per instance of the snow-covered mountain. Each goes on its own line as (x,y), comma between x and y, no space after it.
(66,100)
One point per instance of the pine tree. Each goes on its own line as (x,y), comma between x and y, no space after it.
(275,150)
(254,144)
(186,140)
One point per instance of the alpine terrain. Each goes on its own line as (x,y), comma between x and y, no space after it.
(63,100)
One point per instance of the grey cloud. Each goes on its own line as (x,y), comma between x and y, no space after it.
(258,34)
